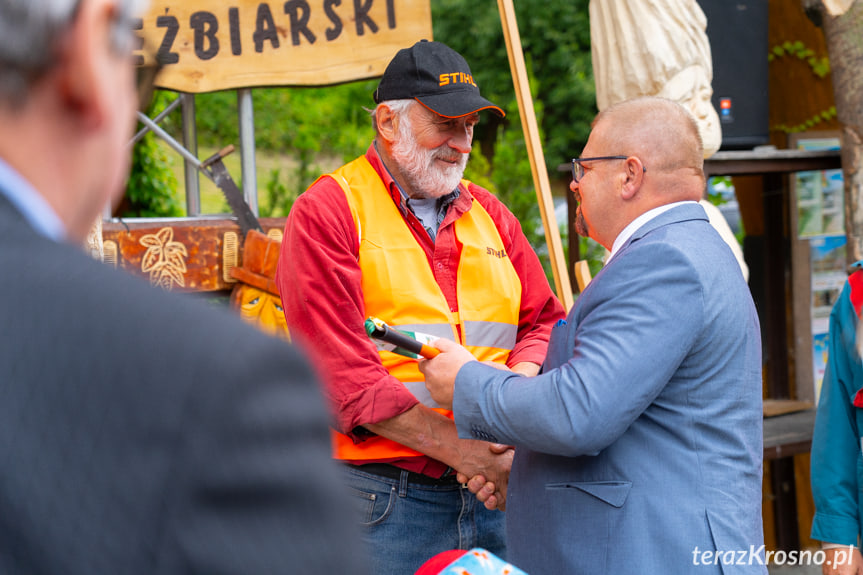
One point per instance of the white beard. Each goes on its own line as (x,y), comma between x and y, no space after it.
(418,167)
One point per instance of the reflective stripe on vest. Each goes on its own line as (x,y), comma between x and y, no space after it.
(476,333)
(418,388)
(399,287)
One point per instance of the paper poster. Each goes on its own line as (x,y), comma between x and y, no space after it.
(820,195)
(827,255)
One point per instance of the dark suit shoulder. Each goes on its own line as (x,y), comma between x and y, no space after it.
(155,419)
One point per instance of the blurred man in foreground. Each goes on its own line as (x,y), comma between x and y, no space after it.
(139,433)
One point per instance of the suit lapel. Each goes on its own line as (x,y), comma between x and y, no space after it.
(563,335)
(673,216)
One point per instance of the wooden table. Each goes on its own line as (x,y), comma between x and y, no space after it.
(788,434)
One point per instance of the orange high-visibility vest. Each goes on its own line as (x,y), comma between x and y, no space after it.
(399,287)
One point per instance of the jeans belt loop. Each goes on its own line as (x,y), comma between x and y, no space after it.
(403,483)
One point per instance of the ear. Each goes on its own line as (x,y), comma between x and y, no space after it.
(633,176)
(387,123)
(84,54)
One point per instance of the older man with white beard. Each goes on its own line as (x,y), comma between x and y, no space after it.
(397,234)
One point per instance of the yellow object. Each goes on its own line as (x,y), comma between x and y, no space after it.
(399,287)
(255,295)
(582,274)
(261,309)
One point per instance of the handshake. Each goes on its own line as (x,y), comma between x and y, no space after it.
(485,466)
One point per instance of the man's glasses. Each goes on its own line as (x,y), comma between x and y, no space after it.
(578,169)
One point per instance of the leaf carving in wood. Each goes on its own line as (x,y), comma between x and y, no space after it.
(164,259)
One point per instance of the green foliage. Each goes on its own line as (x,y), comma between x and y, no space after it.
(151,186)
(279,197)
(555,37)
(820,65)
(594,253)
(508,176)
(307,122)
(718,190)
(513,180)
(718,184)
(809,123)
(216,118)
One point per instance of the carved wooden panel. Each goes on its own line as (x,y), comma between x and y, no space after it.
(183,255)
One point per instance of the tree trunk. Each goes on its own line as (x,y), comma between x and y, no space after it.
(843,30)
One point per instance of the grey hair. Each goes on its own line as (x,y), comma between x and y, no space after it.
(399,108)
(28,33)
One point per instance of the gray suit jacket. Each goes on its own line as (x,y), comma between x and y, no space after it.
(141,433)
(639,446)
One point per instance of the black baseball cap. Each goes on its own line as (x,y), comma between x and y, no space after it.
(436,76)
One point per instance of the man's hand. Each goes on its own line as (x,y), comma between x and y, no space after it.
(486,491)
(433,434)
(852,565)
(440,371)
(488,470)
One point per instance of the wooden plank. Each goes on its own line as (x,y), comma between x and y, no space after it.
(582,274)
(770,161)
(788,434)
(774,407)
(775,270)
(207,46)
(180,254)
(534,150)
(801,308)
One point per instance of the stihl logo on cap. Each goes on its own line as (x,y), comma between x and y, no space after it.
(457,78)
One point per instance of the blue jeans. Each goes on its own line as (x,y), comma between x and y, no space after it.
(404,524)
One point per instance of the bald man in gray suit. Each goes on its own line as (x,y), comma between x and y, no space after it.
(638,447)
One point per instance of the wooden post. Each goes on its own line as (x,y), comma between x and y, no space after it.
(534,149)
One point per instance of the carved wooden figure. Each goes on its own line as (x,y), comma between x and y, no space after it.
(655,48)
(256,296)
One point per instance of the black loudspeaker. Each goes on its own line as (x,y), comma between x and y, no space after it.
(737,30)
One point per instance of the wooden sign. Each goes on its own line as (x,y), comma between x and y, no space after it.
(206,45)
